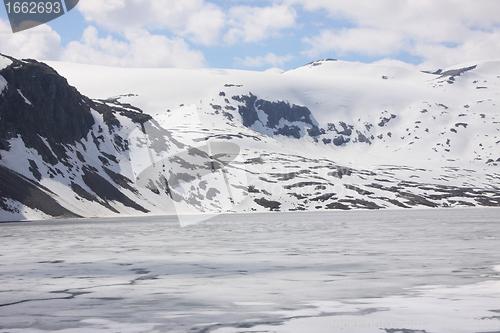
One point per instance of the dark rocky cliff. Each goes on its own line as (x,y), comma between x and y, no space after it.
(276,112)
(38,106)
(38,102)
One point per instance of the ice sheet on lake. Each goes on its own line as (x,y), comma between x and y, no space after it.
(429,309)
(421,270)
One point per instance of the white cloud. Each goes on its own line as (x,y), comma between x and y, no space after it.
(140,49)
(253,24)
(361,40)
(199,21)
(196,19)
(160,33)
(483,46)
(133,14)
(441,32)
(204,27)
(268,59)
(40,42)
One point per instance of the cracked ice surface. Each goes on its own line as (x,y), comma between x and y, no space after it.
(359,271)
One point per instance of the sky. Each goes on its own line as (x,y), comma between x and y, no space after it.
(263,34)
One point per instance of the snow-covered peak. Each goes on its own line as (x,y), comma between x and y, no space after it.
(361,71)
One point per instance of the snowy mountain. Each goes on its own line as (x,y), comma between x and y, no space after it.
(328,135)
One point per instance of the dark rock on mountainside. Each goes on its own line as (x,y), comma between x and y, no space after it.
(346,129)
(457,72)
(319,62)
(15,187)
(294,121)
(37,102)
(276,112)
(38,106)
(290,131)
(107,191)
(452,72)
(272,205)
(108,112)
(247,111)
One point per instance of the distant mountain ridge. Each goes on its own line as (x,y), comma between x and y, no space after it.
(329,135)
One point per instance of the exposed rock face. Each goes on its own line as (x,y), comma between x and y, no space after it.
(453,72)
(276,111)
(294,121)
(247,112)
(18,188)
(38,106)
(37,102)
(275,114)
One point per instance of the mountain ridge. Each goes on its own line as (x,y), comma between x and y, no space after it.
(328,135)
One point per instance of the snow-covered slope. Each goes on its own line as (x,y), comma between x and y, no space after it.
(370,100)
(328,135)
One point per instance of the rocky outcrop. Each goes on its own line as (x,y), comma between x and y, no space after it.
(38,106)
(17,188)
(39,103)
(281,117)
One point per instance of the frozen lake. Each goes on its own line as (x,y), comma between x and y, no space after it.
(357,271)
